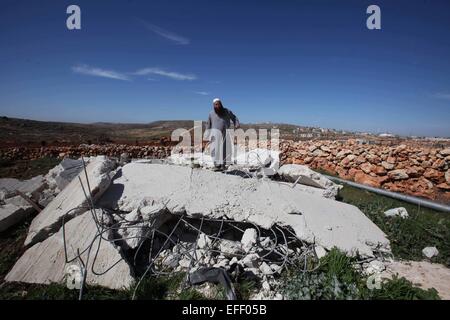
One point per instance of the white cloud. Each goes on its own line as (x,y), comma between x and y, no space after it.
(97,72)
(164,73)
(166,34)
(441,95)
(203,93)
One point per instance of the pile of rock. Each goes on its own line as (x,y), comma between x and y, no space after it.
(423,172)
(246,258)
(110,150)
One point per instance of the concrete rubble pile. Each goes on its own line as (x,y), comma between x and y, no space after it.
(13,207)
(148,218)
(254,252)
(197,192)
(264,163)
(254,159)
(21,199)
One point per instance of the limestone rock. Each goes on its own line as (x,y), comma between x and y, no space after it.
(387,165)
(367,167)
(430,252)
(398,174)
(397,212)
(251,260)
(203,241)
(249,239)
(366,179)
(320,251)
(230,248)
(266,269)
(374,267)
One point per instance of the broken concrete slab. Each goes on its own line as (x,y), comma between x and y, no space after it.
(3,195)
(137,222)
(307,176)
(32,186)
(45,261)
(8,186)
(46,197)
(252,159)
(304,175)
(132,232)
(11,214)
(257,158)
(198,192)
(62,174)
(71,201)
(197,158)
(18,201)
(29,187)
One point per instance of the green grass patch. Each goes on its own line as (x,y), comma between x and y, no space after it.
(245,288)
(424,227)
(337,279)
(162,287)
(54,291)
(402,289)
(151,288)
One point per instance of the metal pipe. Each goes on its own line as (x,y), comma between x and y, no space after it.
(395,195)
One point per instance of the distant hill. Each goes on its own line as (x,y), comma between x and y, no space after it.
(14,131)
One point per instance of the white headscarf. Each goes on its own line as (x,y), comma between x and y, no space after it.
(217,100)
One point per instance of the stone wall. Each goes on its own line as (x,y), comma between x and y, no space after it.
(418,171)
(110,150)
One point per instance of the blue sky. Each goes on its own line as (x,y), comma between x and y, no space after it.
(302,62)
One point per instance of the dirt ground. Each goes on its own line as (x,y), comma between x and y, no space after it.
(423,274)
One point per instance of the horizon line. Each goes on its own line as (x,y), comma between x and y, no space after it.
(250,123)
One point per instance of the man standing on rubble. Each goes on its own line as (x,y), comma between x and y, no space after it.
(219,121)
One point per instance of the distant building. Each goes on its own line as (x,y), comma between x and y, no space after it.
(386,135)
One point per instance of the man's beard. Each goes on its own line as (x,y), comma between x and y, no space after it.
(219,111)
